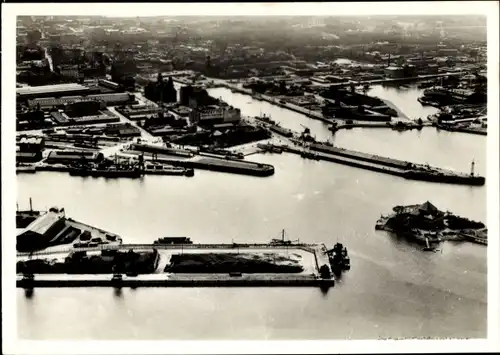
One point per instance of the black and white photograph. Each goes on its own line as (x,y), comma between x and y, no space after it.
(250,172)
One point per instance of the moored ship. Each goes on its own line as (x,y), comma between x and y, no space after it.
(173,240)
(435,175)
(160,169)
(339,259)
(107,172)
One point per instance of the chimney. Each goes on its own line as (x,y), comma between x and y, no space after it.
(389,60)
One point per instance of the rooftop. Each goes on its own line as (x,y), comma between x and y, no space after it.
(31,90)
(43,223)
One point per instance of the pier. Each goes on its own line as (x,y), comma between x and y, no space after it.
(226,165)
(309,277)
(407,170)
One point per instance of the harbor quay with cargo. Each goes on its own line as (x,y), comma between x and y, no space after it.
(155,133)
(307,147)
(55,251)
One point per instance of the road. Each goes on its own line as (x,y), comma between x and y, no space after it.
(144,134)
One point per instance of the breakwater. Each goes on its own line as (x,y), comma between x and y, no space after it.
(405,169)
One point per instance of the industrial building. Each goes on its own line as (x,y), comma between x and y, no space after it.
(29,149)
(109,84)
(116,99)
(123,130)
(33,92)
(394,72)
(213,114)
(69,157)
(160,90)
(69,71)
(41,231)
(193,96)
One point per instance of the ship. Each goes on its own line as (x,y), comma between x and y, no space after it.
(173,241)
(339,259)
(434,175)
(309,155)
(280,130)
(115,172)
(424,101)
(159,169)
(107,172)
(282,240)
(79,171)
(270,148)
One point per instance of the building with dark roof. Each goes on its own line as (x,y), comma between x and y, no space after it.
(29,149)
(194,96)
(41,231)
(70,157)
(160,90)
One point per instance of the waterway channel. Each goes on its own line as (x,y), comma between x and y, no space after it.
(392,290)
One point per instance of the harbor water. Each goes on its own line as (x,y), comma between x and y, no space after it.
(393,289)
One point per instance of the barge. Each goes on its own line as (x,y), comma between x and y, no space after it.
(160,169)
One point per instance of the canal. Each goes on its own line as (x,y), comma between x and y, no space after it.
(393,289)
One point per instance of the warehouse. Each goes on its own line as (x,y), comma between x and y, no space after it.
(41,231)
(69,157)
(108,99)
(33,92)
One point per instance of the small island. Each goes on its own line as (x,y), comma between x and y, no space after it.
(425,223)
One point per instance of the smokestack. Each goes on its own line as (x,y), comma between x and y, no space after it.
(389,60)
(31,205)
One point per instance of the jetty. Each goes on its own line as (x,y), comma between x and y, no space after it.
(405,169)
(67,253)
(309,257)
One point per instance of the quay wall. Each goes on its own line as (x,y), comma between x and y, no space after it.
(185,282)
(463,130)
(388,166)
(227,166)
(394,163)
(275,101)
(351,162)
